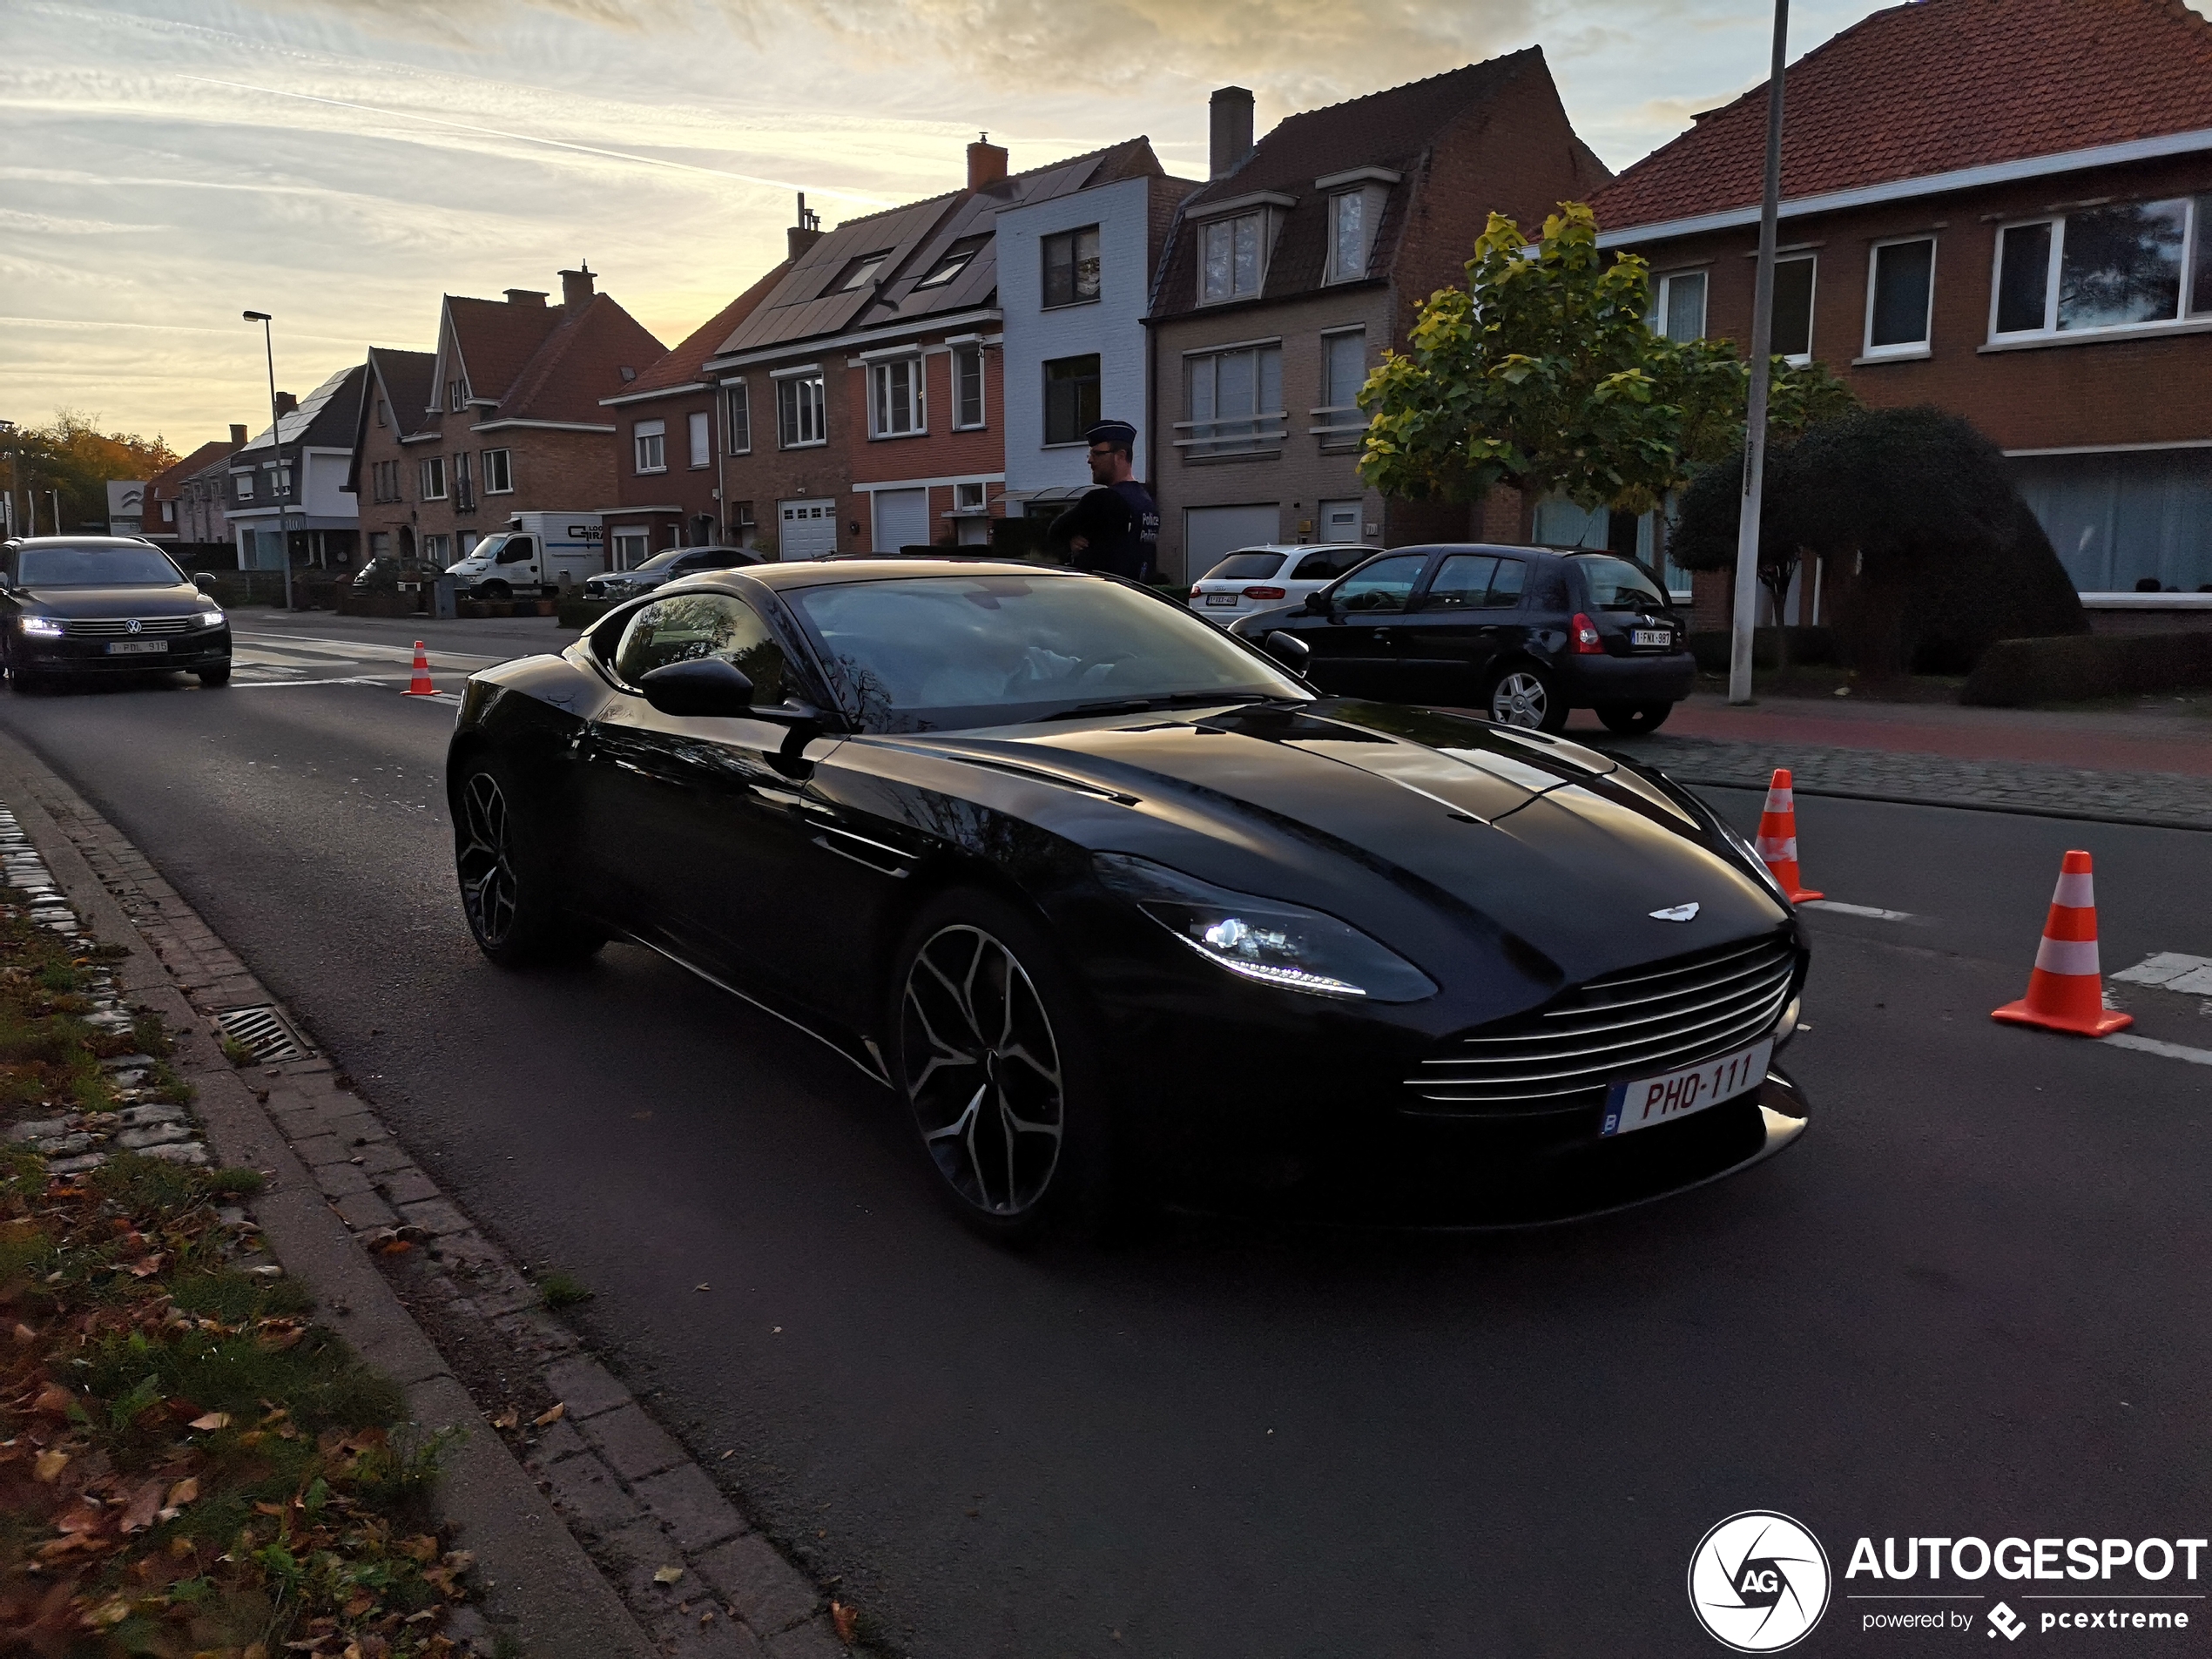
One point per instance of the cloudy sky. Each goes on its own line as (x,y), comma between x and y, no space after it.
(165,164)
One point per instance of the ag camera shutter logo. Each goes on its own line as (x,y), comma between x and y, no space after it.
(1758,1582)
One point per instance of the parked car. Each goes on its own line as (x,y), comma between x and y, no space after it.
(1260,578)
(388,573)
(1523,633)
(1106,895)
(666,567)
(72,605)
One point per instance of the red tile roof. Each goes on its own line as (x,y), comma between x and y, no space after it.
(579,363)
(686,363)
(167,481)
(497,338)
(1932,87)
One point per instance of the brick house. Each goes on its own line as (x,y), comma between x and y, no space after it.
(675,432)
(1301,259)
(171,498)
(203,496)
(266,514)
(2000,207)
(503,417)
(870,375)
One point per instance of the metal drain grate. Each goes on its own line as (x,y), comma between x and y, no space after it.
(263,1030)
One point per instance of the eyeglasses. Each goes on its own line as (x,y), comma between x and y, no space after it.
(1100,451)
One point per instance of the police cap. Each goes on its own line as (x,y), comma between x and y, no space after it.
(1120,434)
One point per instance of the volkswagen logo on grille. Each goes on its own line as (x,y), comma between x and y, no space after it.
(133,626)
(1758,1582)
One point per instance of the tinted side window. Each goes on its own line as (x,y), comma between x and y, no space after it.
(1382,585)
(1244,567)
(692,626)
(1547,589)
(1323,567)
(1506,585)
(1462,581)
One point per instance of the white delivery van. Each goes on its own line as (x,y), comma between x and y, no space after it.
(538,555)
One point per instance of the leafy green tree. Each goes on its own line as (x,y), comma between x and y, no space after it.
(72,455)
(1542,373)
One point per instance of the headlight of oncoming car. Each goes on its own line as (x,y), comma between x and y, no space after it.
(1264,940)
(209,618)
(44,627)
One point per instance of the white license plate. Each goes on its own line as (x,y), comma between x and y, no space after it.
(1221,598)
(136,647)
(1660,636)
(1661,1100)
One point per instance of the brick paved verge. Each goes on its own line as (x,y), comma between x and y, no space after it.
(340,1188)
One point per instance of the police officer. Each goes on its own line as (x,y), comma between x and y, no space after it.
(1115,528)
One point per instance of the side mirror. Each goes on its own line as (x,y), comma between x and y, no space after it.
(706,685)
(1316,602)
(1289,649)
(203,580)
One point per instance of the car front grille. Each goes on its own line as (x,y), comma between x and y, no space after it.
(122,627)
(1645,1021)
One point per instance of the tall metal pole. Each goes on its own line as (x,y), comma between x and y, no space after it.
(1746,537)
(276,442)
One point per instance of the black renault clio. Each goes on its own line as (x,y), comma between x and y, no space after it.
(1522,633)
(103,604)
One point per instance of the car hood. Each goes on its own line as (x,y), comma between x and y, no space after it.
(1559,846)
(168,600)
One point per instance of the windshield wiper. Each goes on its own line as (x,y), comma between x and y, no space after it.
(1177,700)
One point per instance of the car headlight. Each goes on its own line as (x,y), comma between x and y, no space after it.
(210,619)
(1264,940)
(44,627)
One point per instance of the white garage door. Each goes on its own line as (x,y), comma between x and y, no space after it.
(805,529)
(1211,534)
(901,519)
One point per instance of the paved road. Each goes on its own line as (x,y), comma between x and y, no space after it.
(1971,1302)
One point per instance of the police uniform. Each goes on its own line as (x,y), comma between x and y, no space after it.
(1120,523)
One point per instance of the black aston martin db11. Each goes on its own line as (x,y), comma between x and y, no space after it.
(1111,899)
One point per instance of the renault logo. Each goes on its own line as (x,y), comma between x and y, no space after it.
(132,626)
(1676,913)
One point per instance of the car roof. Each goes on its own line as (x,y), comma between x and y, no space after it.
(81,541)
(1302,547)
(817,573)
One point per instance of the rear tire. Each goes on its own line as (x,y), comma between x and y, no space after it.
(508,892)
(1525,695)
(996,1051)
(1634,719)
(212,677)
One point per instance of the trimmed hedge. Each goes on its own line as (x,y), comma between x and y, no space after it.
(582,613)
(1807,646)
(2073,670)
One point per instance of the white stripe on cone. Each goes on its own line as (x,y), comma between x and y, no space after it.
(1772,851)
(2076,892)
(1781,800)
(2075,956)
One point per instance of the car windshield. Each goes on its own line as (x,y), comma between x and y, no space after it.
(98,567)
(943,653)
(661,561)
(1616,585)
(1244,567)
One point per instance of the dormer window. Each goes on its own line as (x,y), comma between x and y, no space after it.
(862,271)
(1231,259)
(1356,201)
(456,394)
(955,260)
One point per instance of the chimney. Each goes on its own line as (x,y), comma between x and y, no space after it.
(1230,123)
(529,296)
(287,404)
(238,437)
(576,287)
(986,163)
(803,235)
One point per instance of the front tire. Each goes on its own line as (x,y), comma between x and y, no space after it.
(1634,719)
(506,892)
(212,677)
(994,1050)
(497,593)
(1524,695)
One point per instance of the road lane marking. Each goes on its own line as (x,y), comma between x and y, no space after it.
(2171,971)
(370,650)
(2152,1045)
(1843,909)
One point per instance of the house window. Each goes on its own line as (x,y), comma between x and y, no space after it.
(861,272)
(169,512)
(384,413)
(464,492)
(380,544)
(969,498)
(1678,305)
(1070,398)
(499,472)
(737,415)
(967,386)
(1231,261)
(1900,294)
(384,478)
(631,550)
(434,478)
(1071,267)
(799,415)
(1353,215)
(1234,399)
(650,441)
(434,549)
(701,444)
(2115,267)
(1793,284)
(1344,371)
(245,486)
(952,262)
(456,394)
(894,398)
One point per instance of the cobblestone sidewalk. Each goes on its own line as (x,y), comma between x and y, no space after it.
(2175,800)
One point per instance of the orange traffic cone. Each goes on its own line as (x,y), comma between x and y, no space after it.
(420,686)
(1779,837)
(2065,992)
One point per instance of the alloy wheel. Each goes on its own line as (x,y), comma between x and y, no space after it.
(486,863)
(1519,699)
(982,1070)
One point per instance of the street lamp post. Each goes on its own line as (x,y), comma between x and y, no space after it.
(1747,534)
(8,432)
(276,442)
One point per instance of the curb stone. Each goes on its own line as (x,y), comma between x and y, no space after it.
(569,1539)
